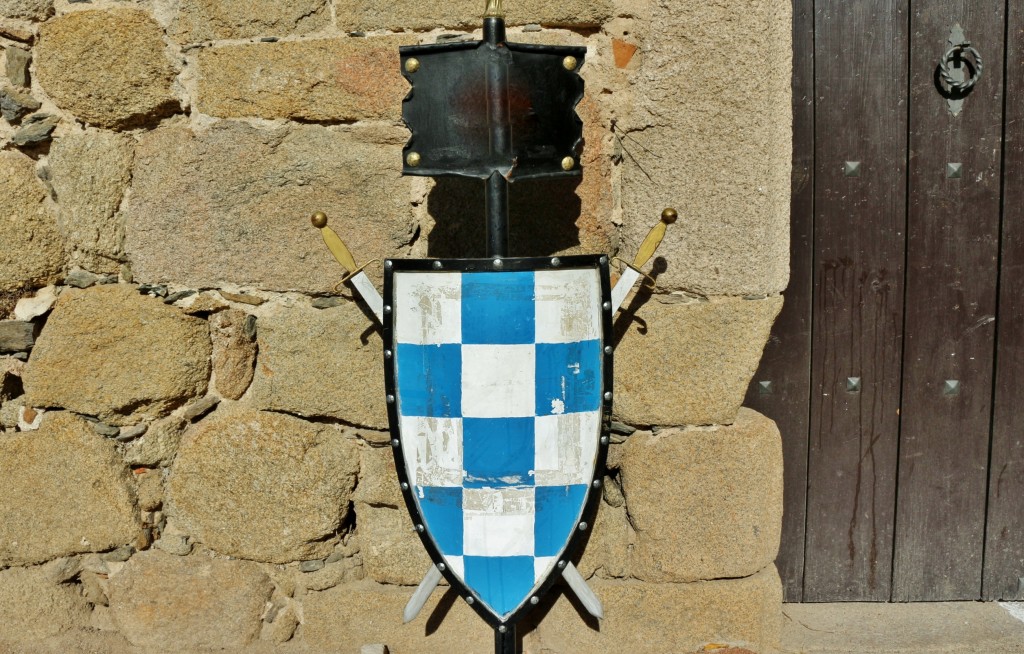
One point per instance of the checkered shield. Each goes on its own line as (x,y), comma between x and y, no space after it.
(498,375)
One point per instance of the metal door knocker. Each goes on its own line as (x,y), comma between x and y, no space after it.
(958,71)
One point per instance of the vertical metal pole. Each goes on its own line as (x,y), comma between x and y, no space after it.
(496,191)
(505,642)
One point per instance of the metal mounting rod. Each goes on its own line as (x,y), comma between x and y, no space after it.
(505,641)
(496,191)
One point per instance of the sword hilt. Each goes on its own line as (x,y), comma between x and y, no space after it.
(654,238)
(337,246)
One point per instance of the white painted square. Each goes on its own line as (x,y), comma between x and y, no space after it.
(541,565)
(456,564)
(498,522)
(498,381)
(568,305)
(436,450)
(428,308)
(565,450)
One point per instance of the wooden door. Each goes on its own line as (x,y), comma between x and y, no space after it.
(897,363)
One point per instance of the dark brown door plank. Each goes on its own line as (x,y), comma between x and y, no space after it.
(952,255)
(781,387)
(861,115)
(1004,551)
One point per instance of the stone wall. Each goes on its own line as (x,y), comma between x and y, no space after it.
(193,446)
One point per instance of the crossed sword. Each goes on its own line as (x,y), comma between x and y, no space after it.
(362,285)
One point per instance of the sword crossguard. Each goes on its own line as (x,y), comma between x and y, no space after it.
(650,245)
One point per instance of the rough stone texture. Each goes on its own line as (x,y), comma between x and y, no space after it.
(234,351)
(15,336)
(108,67)
(32,254)
(26,9)
(158,445)
(546,217)
(338,79)
(193,602)
(392,552)
(721,516)
(305,474)
(16,65)
(407,14)
(37,128)
(89,172)
(610,547)
(688,363)
(109,352)
(207,20)
(315,362)
(720,153)
(231,203)
(641,617)
(14,104)
(66,490)
(366,613)
(33,606)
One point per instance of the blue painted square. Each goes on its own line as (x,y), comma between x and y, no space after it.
(568,377)
(557,510)
(429,380)
(501,581)
(498,452)
(442,511)
(498,308)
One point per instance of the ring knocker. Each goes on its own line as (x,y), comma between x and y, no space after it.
(970,76)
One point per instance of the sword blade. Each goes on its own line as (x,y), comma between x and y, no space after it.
(422,592)
(586,596)
(623,287)
(369,293)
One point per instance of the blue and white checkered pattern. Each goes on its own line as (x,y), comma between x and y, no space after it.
(499,381)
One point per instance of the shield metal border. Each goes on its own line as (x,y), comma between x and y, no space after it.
(594,490)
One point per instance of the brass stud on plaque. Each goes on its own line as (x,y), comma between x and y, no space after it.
(413,159)
(570,63)
(568,163)
(412,64)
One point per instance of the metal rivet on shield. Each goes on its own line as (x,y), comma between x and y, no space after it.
(391,399)
(412,64)
(413,159)
(405,485)
(597,483)
(437,265)
(388,265)
(568,163)
(498,263)
(607,306)
(502,628)
(583,526)
(534,600)
(470,600)
(441,567)
(604,260)
(387,354)
(604,440)
(570,63)
(555,261)
(394,442)
(561,565)
(607,349)
(387,309)
(608,396)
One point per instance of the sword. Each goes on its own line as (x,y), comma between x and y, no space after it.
(360,282)
(643,255)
